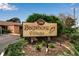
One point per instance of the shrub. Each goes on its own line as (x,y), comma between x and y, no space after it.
(52,45)
(0,31)
(38,47)
(4,31)
(15,49)
(75,42)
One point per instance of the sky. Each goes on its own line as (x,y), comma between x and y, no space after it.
(23,10)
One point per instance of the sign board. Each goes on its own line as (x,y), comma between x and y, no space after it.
(38,29)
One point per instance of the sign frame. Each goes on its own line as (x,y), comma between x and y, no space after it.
(39,36)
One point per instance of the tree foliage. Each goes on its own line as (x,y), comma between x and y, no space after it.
(15,19)
(48,18)
(69,22)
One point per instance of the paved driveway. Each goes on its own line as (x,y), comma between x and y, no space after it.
(7,39)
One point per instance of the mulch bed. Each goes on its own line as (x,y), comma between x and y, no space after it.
(31,51)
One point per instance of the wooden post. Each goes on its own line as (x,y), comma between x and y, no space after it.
(47,46)
(49,39)
(0,30)
(32,39)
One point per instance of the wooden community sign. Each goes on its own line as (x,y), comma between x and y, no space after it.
(39,28)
